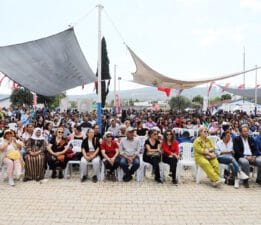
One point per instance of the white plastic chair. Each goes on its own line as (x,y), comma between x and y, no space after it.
(68,168)
(222,168)
(187,159)
(214,139)
(141,172)
(119,172)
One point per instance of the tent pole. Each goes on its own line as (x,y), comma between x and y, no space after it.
(244,69)
(115,67)
(256,92)
(99,106)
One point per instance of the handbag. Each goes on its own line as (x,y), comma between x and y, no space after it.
(229,178)
(60,157)
(13,154)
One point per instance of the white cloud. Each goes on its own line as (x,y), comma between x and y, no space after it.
(210,37)
(254,5)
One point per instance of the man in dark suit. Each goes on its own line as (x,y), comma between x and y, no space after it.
(246,153)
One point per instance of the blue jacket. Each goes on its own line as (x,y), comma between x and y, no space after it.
(258,144)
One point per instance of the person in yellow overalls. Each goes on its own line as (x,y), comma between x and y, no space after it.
(205,157)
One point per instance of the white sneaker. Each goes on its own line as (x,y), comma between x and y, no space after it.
(236,185)
(11,181)
(219,182)
(242,175)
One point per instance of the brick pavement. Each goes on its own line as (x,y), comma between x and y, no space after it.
(64,202)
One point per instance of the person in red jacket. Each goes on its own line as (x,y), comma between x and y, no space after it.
(170,149)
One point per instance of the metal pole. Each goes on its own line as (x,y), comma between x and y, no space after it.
(99,107)
(115,87)
(244,69)
(119,88)
(256,93)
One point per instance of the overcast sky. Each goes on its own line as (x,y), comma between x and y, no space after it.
(183,39)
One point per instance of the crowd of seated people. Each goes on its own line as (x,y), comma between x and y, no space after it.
(36,140)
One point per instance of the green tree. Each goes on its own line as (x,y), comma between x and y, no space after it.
(214,100)
(198,99)
(226,97)
(73,104)
(50,101)
(56,102)
(21,96)
(46,100)
(179,103)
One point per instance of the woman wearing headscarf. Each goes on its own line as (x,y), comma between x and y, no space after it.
(35,156)
(11,155)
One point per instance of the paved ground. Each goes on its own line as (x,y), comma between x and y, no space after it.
(64,202)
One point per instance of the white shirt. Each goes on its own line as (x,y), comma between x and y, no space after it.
(247,150)
(221,146)
(91,148)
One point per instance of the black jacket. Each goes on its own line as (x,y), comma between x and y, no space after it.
(239,147)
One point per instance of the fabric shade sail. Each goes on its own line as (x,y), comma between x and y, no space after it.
(147,76)
(47,66)
(248,92)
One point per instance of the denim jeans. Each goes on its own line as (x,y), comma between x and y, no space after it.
(231,161)
(125,166)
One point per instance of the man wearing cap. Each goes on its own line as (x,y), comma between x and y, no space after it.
(129,152)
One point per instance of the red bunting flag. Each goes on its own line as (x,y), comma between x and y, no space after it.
(210,87)
(2,79)
(95,86)
(166,90)
(226,86)
(241,86)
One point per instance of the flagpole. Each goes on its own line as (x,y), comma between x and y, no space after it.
(244,69)
(99,107)
(115,66)
(256,92)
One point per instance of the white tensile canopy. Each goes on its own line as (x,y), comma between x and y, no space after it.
(47,66)
(147,76)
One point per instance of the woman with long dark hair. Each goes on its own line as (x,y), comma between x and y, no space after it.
(152,153)
(170,150)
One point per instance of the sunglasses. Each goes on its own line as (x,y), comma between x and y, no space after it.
(169,134)
(60,132)
(109,136)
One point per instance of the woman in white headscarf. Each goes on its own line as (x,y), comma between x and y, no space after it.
(36,147)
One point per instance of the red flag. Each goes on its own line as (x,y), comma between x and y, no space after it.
(2,79)
(166,90)
(13,85)
(241,86)
(210,86)
(95,86)
(226,86)
(34,100)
